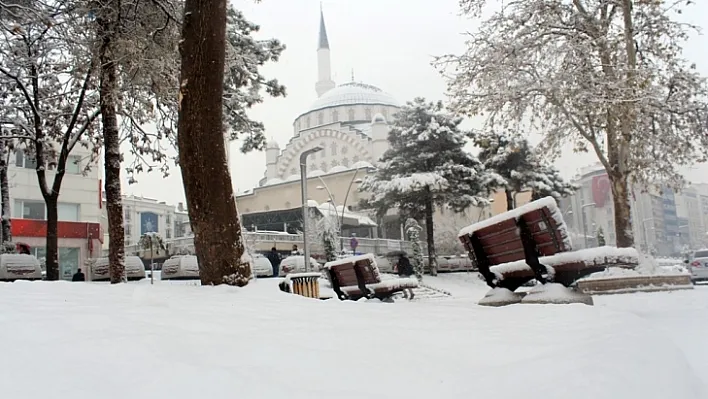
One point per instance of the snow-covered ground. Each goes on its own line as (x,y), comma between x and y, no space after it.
(177,340)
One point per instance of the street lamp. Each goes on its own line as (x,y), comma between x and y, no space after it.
(346,196)
(331,200)
(305,207)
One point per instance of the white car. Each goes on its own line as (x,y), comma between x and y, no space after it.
(262,266)
(296,264)
(698,265)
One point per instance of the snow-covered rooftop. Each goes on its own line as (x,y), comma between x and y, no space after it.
(353,93)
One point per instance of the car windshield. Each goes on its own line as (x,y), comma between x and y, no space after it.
(701,254)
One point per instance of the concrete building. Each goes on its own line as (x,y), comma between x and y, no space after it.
(142,215)
(351,122)
(79,208)
(663,221)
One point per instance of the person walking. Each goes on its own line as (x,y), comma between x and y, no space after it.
(405,269)
(78,276)
(274,258)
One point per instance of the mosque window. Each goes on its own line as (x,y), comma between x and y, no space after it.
(320,118)
(323,166)
(297,126)
(307,122)
(324,150)
(351,114)
(335,116)
(345,150)
(345,162)
(333,149)
(367,113)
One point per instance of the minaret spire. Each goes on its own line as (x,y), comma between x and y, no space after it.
(324,69)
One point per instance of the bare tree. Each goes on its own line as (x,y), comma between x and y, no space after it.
(605,75)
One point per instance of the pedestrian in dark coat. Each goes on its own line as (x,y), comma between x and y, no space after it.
(274,258)
(405,269)
(78,276)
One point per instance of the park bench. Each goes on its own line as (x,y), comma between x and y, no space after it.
(358,277)
(532,242)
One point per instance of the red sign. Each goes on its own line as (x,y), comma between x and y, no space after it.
(600,190)
(38,228)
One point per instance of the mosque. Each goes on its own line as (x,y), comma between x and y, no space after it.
(351,122)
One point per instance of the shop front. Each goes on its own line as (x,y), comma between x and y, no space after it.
(78,241)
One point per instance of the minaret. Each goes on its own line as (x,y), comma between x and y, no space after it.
(324,70)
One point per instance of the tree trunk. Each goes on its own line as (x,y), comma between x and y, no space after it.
(5,194)
(52,247)
(509,200)
(218,241)
(623,224)
(111,140)
(429,232)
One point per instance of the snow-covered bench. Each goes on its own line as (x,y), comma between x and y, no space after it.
(532,242)
(359,277)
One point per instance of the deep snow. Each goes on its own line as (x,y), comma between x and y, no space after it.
(178,340)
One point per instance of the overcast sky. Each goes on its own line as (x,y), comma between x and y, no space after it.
(387,43)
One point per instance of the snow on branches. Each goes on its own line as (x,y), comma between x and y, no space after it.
(606,76)
(523,168)
(426,162)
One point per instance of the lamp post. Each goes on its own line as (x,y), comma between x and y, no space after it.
(305,207)
(585,227)
(331,200)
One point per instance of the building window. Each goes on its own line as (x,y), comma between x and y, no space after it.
(335,116)
(345,150)
(323,166)
(333,149)
(323,153)
(30,210)
(320,118)
(73,165)
(351,114)
(367,113)
(168,233)
(128,214)
(22,160)
(68,212)
(168,218)
(345,162)
(307,122)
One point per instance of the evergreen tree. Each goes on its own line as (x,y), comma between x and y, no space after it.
(512,157)
(600,237)
(413,232)
(328,232)
(426,166)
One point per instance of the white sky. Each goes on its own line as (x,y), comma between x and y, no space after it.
(387,43)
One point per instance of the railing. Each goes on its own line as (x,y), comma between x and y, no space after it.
(284,242)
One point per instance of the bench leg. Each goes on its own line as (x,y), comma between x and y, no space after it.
(531,253)
(361,281)
(482,261)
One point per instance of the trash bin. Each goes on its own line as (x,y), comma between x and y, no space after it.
(305,284)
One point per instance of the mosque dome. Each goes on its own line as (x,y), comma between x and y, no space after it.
(354,93)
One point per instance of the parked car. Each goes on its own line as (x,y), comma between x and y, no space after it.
(296,264)
(19,267)
(262,266)
(134,269)
(180,267)
(698,265)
